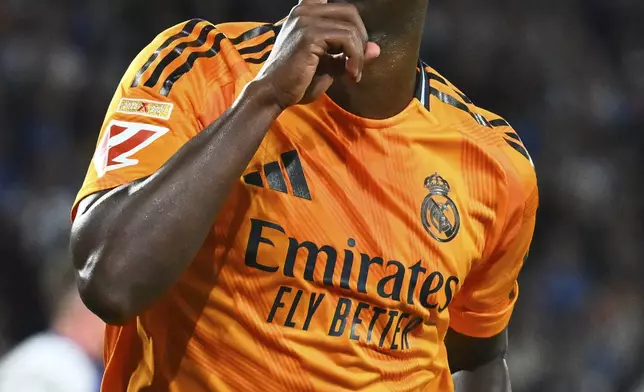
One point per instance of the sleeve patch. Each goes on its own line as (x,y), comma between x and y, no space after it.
(121,141)
(144,107)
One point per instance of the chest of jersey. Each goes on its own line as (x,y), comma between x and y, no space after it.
(381,215)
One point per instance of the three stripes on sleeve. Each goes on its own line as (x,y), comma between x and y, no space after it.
(510,137)
(171,50)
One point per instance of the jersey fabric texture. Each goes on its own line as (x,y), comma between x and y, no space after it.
(346,249)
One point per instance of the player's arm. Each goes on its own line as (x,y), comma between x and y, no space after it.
(478,364)
(477,340)
(131,243)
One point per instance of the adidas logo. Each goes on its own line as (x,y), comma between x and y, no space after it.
(274,176)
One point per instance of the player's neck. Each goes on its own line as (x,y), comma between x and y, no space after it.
(388,83)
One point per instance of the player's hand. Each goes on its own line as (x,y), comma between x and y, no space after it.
(318,43)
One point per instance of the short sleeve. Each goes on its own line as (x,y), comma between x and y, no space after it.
(132,145)
(484,305)
(154,111)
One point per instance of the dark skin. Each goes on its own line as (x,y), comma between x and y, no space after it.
(388,83)
(364,54)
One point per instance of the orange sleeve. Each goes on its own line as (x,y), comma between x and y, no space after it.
(147,123)
(132,146)
(485,303)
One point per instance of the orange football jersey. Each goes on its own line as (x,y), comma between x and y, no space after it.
(345,250)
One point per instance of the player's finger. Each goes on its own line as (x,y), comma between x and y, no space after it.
(339,37)
(335,11)
(332,65)
(319,85)
(372,52)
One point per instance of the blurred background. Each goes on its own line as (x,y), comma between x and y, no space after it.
(568,74)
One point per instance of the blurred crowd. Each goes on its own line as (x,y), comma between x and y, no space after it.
(567,74)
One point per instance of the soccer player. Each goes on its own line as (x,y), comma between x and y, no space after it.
(303,206)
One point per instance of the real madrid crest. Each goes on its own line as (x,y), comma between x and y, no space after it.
(438,212)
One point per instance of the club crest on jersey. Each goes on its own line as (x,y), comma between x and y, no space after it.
(438,212)
(120,141)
